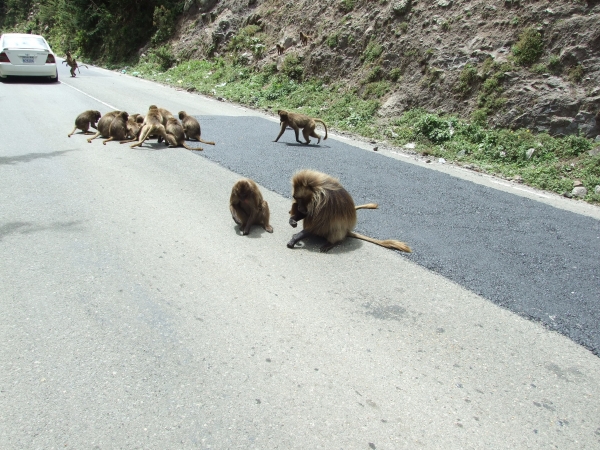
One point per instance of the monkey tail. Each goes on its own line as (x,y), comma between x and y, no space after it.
(367,206)
(325,126)
(388,243)
(196,149)
(206,142)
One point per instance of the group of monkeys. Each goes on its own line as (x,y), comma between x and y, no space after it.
(158,122)
(319,200)
(326,208)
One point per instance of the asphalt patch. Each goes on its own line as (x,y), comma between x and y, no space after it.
(536,260)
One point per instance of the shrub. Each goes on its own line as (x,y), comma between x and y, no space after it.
(467,78)
(372,52)
(292,67)
(529,47)
(346,5)
(576,73)
(332,40)
(395,74)
(162,56)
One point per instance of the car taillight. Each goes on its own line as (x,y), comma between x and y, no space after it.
(4,57)
(50,59)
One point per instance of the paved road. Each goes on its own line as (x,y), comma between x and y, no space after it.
(537,260)
(136,316)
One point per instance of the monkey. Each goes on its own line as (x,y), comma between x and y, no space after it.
(304,38)
(328,211)
(152,126)
(104,125)
(191,127)
(117,131)
(280,49)
(176,135)
(72,63)
(248,207)
(297,121)
(166,115)
(134,125)
(85,120)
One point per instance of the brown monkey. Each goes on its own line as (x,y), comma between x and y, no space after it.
(176,135)
(104,125)
(328,211)
(117,131)
(304,38)
(72,63)
(297,121)
(280,49)
(85,120)
(152,126)
(166,115)
(248,207)
(191,127)
(134,125)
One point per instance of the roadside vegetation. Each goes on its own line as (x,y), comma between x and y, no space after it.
(538,160)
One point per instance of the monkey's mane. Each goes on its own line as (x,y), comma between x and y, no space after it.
(320,184)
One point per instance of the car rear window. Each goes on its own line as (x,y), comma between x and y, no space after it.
(24,42)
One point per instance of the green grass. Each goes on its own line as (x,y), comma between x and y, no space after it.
(555,164)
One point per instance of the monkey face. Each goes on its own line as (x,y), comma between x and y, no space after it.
(303,197)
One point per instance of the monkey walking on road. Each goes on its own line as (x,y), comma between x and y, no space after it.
(297,121)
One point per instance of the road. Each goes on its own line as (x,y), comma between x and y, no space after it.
(136,316)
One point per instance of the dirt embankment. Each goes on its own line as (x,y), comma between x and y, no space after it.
(442,55)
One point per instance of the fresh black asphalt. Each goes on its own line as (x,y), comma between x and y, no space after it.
(536,260)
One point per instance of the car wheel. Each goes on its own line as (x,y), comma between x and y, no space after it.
(55,80)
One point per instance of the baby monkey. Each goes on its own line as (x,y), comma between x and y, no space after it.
(248,207)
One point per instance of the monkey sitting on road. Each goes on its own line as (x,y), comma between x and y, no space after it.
(134,126)
(153,126)
(248,207)
(191,127)
(104,125)
(118,131)
(297,121)
(176,135)
(72,63)
(328,211)
(85,120)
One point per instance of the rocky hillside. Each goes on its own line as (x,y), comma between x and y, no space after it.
(515,63)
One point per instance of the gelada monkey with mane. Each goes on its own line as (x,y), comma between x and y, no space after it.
(328,211)
(297,121)
(248,207)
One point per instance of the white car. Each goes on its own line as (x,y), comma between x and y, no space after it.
(26,55)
